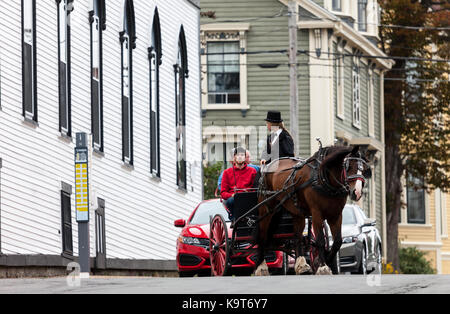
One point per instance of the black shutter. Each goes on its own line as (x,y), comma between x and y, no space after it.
(28,79)
(96,132)
(125,129)
(66,215)
(154,147)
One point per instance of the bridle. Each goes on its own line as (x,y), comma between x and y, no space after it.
(362,173)
(344,182)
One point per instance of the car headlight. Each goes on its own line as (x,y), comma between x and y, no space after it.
(350,239)
(194,241)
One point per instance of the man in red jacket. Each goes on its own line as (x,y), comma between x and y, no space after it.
(236,179)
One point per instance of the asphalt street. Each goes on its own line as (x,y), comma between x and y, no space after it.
(385,284)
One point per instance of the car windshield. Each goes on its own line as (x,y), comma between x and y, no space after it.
(348,216)
(207,209)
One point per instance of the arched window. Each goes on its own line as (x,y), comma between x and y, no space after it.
(181,73)
(155,60)
(128,43)
(65,7)
(98,25)
(29,75)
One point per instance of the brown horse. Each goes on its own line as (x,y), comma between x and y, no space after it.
(319,190)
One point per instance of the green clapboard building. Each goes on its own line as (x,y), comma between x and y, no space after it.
(245,73)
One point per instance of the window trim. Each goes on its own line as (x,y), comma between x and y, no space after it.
(371,101)
(155,52)
(356,97)
(68,4)
(29,116)
(128,34)
(340,80)
(362,12)
(181,72)
(101,16)
(425,201)
(221,33)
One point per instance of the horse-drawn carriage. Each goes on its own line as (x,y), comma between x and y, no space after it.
(243,240)
(290,212)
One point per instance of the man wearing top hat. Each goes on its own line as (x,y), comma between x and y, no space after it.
(279,142)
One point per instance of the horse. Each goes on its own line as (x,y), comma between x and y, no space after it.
(318,188)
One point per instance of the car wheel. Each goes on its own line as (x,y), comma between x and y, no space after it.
(363,264)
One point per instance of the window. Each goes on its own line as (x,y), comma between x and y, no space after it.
(155,60)
(181,72)
(337,5)
(362,15)
(98,25)
(356,93)
(371,102)
(29,76)
(340,80)
(66,219)
(224,66)
(65,7)
(415,200)
(223,73)
(128,43)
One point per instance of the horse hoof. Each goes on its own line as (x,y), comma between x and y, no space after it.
(262,270)
(301,267)
(324,270)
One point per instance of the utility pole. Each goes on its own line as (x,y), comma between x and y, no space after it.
(293,14)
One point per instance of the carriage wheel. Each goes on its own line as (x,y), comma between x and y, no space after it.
(218,246)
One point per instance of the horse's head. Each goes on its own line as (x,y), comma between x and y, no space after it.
(355,172)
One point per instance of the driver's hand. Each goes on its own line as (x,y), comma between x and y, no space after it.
(263,162)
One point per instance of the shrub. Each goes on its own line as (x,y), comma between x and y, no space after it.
(211,174)
(413,261)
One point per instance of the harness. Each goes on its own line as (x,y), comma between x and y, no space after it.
(318,180)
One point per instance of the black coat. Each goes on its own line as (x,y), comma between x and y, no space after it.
(283,147)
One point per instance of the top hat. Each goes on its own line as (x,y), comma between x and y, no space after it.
(274,117)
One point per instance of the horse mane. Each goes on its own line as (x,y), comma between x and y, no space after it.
(335,155)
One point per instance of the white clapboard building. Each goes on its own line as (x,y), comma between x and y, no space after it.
(126,73)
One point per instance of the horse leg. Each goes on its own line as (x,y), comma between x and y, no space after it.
(301,266)
(320,243)
(263,228)
(335,226)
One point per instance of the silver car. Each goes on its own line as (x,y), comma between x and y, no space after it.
(360,252)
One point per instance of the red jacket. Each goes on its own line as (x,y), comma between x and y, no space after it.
(235,178)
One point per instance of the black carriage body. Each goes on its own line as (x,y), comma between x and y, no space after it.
(246,225)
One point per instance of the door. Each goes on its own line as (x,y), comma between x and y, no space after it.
(100,235)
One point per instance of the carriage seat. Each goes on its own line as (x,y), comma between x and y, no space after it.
(244,201)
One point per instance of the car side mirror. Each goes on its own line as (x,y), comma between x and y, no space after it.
(369,222)
(180,223)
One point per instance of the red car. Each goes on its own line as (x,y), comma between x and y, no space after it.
(193,245)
